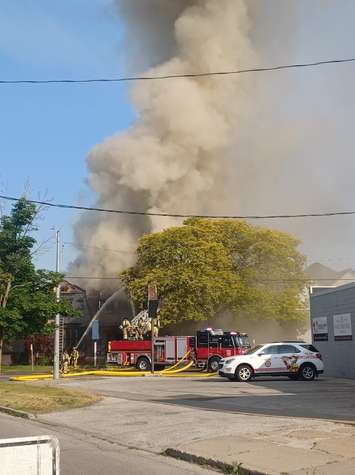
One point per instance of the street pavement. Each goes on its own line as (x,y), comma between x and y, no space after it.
(324,398)
(83,454)
(268,425)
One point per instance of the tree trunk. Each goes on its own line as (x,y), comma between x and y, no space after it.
(4,300)
(1,345)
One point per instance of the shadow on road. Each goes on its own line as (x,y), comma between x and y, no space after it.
(324,399)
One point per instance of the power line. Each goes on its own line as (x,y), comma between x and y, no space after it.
(307,279)
(176,76)
(179,215)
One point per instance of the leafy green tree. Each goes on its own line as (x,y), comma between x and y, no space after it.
(27,297)
(207,266)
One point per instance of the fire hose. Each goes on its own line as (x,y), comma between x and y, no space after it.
(171,371)
(166,370)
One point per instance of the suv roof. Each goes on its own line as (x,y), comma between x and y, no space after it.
(299,342)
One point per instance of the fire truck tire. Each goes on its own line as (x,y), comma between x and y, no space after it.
(143,364)
(213,364)
(244,373)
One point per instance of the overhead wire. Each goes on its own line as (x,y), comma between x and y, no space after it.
(177,76)
(307,279)
(181,215)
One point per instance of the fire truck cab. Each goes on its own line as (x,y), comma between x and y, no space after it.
(211,345)
(205,349)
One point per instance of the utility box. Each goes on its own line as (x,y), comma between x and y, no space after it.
(29,456)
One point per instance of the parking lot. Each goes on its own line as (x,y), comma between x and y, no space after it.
(266,425)
(324,398)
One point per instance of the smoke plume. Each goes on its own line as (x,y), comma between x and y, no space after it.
(268,143)
(176,156)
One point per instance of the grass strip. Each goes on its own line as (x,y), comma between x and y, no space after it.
(41,398)
(25,369)
(222,467)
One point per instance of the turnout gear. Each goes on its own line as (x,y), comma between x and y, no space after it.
(74,358)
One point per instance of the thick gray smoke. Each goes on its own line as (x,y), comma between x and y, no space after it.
(176,157)
(268,143)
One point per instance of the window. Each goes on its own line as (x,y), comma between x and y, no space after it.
(286,349)
(310,348)
(253,350)
(270,350)
(244,340)
(227,341)
(204,340)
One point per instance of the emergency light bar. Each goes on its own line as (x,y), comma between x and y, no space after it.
(216,332)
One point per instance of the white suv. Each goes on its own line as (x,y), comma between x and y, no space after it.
(297,360)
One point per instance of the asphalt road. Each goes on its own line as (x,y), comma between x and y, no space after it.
(324,398)
(88,455)
(321,399)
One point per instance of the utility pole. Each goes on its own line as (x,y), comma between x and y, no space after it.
(152,313)
(57,317)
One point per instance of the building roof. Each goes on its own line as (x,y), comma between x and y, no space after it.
(324,276)
(330,290)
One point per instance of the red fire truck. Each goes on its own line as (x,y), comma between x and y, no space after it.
(206,348)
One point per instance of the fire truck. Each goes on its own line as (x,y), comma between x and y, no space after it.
(206,348)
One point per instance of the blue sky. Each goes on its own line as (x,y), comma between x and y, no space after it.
(47,131)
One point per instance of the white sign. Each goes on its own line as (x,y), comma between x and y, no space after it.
(320,328)
(342,326)
(29,456)
(320,325)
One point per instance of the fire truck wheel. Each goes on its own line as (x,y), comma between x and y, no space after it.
(213,364)
(143,364)
(244,373)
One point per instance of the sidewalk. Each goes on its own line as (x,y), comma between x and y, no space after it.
(266,444)
(292,452)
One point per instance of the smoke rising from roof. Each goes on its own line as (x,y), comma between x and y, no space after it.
(176,156)
(248,144)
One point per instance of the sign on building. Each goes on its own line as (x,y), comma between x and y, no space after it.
(95,330)
(320,329)
(153,302)
(342,327)
(29,456)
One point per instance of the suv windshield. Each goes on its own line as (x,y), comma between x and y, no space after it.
(253,350)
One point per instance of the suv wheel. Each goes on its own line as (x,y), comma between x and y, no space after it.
(307,372)
(213,364)
(244,373)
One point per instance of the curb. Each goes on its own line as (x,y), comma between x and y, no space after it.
(214,464)
(16,413)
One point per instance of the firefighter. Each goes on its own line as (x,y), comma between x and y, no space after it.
(156,327)
(140,329)
(126,328)
(65,362)
(74,358)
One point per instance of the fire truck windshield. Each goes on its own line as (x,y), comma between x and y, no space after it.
(240,341)
(244,340)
